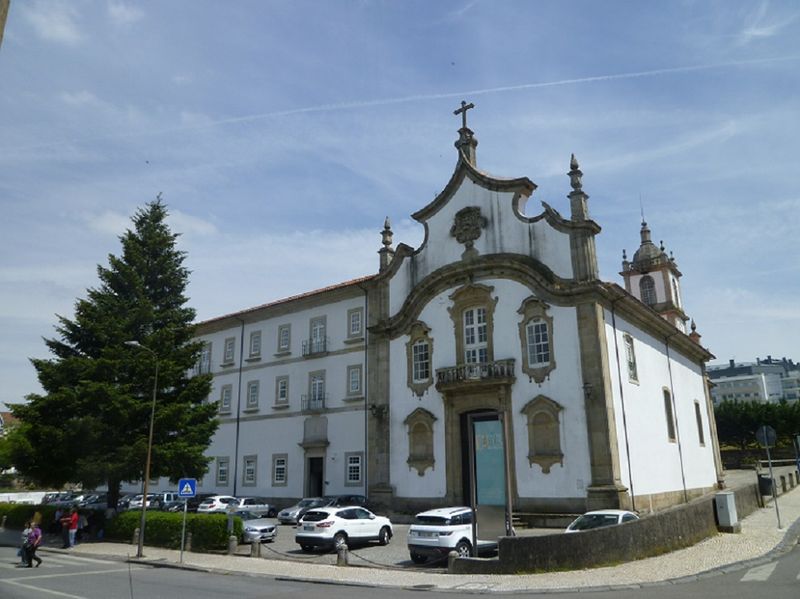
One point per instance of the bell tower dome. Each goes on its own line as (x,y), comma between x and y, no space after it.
(653,278)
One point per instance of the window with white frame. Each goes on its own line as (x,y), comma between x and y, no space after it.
(355,320)
(225,396)
(252,395)
(421,359)
(282,390)
(538,337)
(204,363)
(222,471)
(475,336)
(317,386)
(630,358)
(249,470)
(354,380)
(255,344)
(353,465)
(280,471)
(228,351)
(647,290)
(284,337)
(317,339)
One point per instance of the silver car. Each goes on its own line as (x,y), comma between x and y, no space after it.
(257,529)
(292,514)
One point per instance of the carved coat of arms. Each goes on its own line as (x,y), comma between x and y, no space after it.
(467,226)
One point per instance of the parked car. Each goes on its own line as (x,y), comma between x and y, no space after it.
(216,504)
(599,519)
(345,500)
(258,505)
(436,533)
(95,501)
(331,527)
(292,514)
(256,529)
(194,502)
(136,501)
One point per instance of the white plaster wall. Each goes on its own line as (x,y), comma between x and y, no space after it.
(563,386)
(505,233)
(655,462)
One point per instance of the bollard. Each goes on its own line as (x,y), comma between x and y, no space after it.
(342,555)
(451,559)
(3,523)
(233,543)
(188,546)
(255,549)
(135,536)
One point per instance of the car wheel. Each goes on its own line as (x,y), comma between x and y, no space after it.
(417,558)
(339,539)
(306,547)
(463,549)
(384,536)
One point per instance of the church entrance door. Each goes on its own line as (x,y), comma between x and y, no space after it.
(314,477)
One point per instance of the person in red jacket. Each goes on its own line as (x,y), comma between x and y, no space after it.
(71,524)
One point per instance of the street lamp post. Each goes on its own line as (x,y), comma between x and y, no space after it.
(146,480)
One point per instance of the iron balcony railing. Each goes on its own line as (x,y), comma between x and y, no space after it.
(478,371)
(315,346)
(313,403)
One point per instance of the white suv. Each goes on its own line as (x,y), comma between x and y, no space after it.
(436,533)
(216,504)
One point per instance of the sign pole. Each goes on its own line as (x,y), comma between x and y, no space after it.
(774,493)
(183,529)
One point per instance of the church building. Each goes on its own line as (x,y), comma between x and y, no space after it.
(488,366)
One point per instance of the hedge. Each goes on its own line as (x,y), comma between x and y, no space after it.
(163,529)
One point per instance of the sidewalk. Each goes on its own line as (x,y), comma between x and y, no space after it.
(758,542)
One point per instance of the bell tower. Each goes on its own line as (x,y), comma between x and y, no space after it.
(653,278)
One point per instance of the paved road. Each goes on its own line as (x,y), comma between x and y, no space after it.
(71,576)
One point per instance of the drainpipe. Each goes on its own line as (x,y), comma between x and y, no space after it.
(622,402)
(238,407)
(675,417)
(364,468)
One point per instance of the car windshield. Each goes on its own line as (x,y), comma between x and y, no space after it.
(308,503)
(588,521)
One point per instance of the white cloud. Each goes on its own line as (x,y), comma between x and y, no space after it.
(81,98)
(762,25)
(122,14)
(180,222)
(109,222)
(53,21)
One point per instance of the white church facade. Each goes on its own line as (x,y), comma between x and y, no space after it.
(495,333)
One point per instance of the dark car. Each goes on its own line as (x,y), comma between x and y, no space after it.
(345,500)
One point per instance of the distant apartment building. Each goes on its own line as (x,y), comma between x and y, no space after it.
(768,380)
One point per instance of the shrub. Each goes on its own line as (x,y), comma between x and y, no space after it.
(163,529)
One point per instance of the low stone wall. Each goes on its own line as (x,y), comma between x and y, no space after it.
(672,529)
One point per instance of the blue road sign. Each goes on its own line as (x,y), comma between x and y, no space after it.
(187,487)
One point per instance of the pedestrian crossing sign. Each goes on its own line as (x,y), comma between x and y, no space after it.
(187,487)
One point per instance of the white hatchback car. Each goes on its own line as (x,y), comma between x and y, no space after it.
(216,504)
(332,527)
(436,533)
(599,519)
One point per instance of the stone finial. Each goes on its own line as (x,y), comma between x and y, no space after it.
(575,174)
(466,142)
(386,252)
(694,335)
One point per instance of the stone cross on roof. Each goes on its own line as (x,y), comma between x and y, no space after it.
(463,112)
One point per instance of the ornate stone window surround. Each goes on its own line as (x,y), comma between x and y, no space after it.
(228,351)
(669,415)
(284,340)
(225,395)
(474,295)
(281,391)
(419,335)
(280,469)
(420,440)
(544,432)
(223,467)
(249,470)
(630,358)
(254,349)
(355,325)
(353,468)
(533,311)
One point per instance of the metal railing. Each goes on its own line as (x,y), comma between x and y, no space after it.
(478,371)
(315,346)
(313,403)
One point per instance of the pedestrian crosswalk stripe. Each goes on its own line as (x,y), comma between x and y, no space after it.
(73,559)
(760,573)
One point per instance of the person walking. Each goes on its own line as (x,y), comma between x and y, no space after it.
(22,553)
(34,540)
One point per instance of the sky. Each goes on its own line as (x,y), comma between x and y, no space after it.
(281,134)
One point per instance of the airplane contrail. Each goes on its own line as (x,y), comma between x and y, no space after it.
(419,98)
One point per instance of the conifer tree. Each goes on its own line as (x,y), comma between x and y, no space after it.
(91,424)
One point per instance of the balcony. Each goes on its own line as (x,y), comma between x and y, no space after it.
(313,347)
(481,374)
(310,404)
